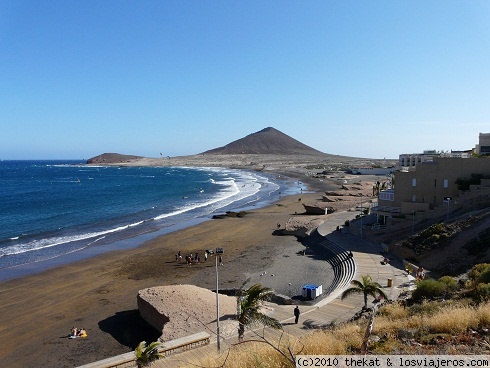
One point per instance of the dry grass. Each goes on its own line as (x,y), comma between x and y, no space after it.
(453,320)
(483,313)
(425,320)
(341,340)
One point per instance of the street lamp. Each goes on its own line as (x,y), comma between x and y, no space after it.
(448,201)
(361,215)
(219,251)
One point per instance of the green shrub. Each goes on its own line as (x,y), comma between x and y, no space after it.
(433,289)
(482,292)
(480,273)
(451,284)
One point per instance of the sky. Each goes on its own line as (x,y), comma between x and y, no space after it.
(363,78)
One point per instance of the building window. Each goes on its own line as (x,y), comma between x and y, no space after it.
(446,183)
(414,182)
(414,198)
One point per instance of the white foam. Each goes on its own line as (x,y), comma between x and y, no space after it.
(55,241)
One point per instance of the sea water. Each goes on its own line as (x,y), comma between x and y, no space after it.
(51,209)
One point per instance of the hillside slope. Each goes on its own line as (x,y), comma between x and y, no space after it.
(266,141)
(112,158)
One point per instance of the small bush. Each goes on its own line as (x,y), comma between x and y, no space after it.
(429,289)
(451,284)
(482,292)
(479,272)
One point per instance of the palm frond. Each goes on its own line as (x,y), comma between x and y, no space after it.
(349,292)
(366,287)
(250,302)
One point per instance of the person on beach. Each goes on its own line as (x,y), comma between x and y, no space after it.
(220,261)
(420,273)
(296,314)
(205,256)
(73,332)
(82,333)
(180,256)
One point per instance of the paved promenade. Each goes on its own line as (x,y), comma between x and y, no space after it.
(329,310)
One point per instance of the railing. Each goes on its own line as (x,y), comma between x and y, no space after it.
(128,360)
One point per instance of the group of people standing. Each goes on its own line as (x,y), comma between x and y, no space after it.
(191,258)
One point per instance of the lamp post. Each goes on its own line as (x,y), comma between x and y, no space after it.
(361,215)
(448,201)
(219,251)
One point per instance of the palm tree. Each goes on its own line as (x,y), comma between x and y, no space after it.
(249,303)
(146,354)
(367,287)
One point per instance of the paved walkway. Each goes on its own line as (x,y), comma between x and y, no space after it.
(329,310)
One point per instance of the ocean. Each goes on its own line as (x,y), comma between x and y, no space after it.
(57,212)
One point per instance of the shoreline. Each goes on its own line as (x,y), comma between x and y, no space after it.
(99,293)
(39,309)
(286,184)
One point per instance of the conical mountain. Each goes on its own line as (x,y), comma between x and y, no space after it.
(268,141)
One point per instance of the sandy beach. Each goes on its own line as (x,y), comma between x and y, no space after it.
(99,294)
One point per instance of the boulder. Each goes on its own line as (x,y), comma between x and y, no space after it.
(181,310)
(334,194)
(330,199)
(302,226)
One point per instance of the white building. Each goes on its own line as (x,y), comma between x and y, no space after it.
(483,147)
(410,160)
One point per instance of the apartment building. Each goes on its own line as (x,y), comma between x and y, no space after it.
(483,147)
(410,161)
(428,186)
(407,161)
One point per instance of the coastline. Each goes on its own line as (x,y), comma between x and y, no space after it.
(39,309)
(99,293)
(271,190)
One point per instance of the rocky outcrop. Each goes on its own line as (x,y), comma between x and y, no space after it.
(112,158)
(330,199)
(301,226)
(150,310)
(181,310)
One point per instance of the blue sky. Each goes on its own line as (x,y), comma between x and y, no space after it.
(359,78)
